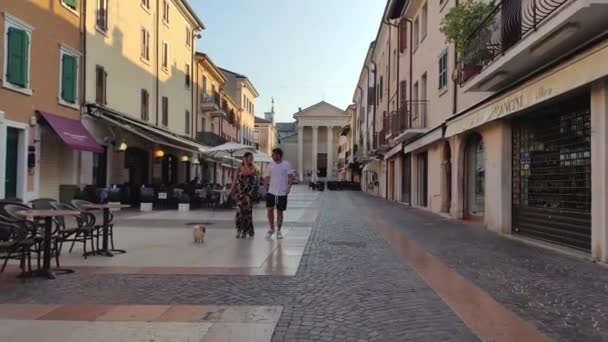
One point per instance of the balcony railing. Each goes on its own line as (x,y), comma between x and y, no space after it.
(411,115)
(508,23)
(210,102)
(210,139)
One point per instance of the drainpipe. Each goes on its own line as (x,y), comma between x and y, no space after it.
(411,92)
(455,99)
(390,54)
(157,31)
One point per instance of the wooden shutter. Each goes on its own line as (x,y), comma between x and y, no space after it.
(17,63)
(402,35)
(165,118)
(71,3)
(145,105)
(187,122)
(403,92)
(99,75)
(68,78)
(187,75)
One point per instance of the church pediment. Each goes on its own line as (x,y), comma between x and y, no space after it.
(321,110)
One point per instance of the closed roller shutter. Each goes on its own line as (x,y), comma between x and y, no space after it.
(552,174)
(50,163)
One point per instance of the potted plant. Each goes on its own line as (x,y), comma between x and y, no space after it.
(459,24)
(114,197)
(183,203)
(146,199)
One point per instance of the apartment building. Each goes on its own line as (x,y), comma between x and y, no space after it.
(41,137)
(139,92)
(514,127)
(240,88)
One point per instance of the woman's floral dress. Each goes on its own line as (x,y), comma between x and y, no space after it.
(244,213)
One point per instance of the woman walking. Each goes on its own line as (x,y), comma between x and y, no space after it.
(244,186)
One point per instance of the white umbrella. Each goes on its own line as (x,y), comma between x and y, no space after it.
(228,150)
(261,157)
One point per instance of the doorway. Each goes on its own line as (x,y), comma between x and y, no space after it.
(446,192)
(423,179)
(169,170)
(391,180)
(475,179)
(322,165)
(12,158)
(406,178)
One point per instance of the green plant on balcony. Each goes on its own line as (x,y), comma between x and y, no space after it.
(461,22)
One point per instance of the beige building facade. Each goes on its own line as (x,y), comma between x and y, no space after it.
(242,91)
(512,134)
(140,93)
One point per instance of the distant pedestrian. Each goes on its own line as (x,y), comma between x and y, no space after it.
(278,180)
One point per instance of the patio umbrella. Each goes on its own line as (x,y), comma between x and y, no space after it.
(229,150)
(261,157)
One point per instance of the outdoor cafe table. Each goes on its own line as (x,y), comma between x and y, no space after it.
(48,216)
(105,250)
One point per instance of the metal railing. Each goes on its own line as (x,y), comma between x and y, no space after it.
(210,139)
(210,100)
(411,115)
(507,24)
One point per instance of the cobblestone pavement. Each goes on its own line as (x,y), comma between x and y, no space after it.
(351,286)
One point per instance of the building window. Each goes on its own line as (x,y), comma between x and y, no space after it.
(165,107)
(381,87)
(424,20)
(145,45)
(187,122)
(165,56)
(188,37)
(102,15)
(71,4)
(68,69)
(416,34)
(145,105)
(166,12)
(203,124)
(187,75)
(145,4)
(443,70)
(415,102)
(402,35)
(18,52)
(101,80)
(423,82)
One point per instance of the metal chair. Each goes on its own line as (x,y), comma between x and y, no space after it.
(17,243)
(82,230)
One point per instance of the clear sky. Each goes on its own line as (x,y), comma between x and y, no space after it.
(299,51)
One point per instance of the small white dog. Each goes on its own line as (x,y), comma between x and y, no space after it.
(198,233)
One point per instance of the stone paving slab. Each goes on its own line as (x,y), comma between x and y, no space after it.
(137,323)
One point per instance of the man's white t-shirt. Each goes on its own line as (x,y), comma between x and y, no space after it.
(279,177)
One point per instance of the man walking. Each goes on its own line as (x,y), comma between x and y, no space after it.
(278,180)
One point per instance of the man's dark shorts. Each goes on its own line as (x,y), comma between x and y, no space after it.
(279,202)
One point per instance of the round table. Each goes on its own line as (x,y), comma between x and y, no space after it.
(48,216)
(105,250)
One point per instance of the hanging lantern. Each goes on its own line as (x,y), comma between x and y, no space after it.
(123,146)
(185,158)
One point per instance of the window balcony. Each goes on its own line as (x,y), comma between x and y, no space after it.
(410,121)
(521,36)
(210,103)
(210,139)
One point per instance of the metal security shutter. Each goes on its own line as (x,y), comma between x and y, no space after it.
(552,174)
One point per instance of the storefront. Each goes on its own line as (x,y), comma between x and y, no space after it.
(552,173)
(531,161)
(138,154)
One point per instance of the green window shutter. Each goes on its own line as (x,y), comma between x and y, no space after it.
(68,79)
(17,64)
(71,3)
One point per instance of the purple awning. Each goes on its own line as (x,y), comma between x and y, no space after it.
(73,133)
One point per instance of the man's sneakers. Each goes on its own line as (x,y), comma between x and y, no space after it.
(271,233)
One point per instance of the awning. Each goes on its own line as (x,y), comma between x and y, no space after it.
(173,140)
(73,133)
(393,151)
(425,140)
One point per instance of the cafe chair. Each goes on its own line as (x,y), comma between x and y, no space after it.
(74,229)
(17,242)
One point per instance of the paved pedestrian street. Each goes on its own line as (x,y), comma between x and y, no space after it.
(351,268)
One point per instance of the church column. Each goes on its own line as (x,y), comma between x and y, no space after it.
(301,152)
(330,152)
(315,152)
